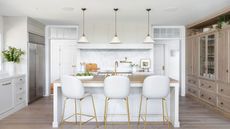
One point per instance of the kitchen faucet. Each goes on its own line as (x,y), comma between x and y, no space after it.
(116,65)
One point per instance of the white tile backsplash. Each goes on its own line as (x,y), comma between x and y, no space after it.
(105,58)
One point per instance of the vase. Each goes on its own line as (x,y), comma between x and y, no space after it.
(11,68)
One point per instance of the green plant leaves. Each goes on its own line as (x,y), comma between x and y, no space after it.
(13,54)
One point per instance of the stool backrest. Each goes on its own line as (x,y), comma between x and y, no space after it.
(156,86)
(72,87)
(116,87)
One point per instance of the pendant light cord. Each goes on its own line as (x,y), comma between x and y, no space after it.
(115,10)
(83,10)
(148,20)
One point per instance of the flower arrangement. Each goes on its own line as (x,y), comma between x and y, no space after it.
(13,54)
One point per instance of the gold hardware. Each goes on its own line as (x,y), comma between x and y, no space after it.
(80,113)
(144,116)
(106,110)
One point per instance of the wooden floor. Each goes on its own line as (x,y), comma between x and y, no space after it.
(39,116)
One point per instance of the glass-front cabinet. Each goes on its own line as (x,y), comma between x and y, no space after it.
(207,56)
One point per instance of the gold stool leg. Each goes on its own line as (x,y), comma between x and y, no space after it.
(75,107)
(94,109)
(105,113)
(138,123)
(166,109)
(146,105)
(127,106)
(163,111)
(80,114)
(63,113)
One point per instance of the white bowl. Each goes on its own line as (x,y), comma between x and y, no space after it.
(84,77)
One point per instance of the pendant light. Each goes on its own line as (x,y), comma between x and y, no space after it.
(148,38)
(115,38)
(83,38)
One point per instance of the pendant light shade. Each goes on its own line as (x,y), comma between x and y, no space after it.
(148,38)
(83,39)
(115,38)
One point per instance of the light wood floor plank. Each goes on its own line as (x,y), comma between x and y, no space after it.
(38,115)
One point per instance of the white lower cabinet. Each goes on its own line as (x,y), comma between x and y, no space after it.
(6,95)
(12,95)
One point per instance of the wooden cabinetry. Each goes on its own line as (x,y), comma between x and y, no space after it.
(207,52)
(211,84)
(189,56)
(192,56)
(223,56)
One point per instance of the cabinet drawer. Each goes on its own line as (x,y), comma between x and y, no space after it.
(192,81)
(193,91)
(20,98)
(19,80)
(6,83)
(224,103)
(209,85)
(224,89)
(208,97)
(19,88)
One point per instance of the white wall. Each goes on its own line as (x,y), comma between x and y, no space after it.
(15,34)
(1,41)
(128,32)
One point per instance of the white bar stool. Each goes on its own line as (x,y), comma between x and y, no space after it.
(155,87)
(116,87)
(72,88)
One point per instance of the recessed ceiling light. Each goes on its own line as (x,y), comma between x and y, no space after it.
(171,9)
(68,9)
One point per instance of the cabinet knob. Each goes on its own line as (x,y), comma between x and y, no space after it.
(202,95)
(209,86)
(202,84)
(221,103)
(221,90)
(227,71)
(209,98)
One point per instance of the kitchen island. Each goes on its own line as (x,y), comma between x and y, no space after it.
(95,87)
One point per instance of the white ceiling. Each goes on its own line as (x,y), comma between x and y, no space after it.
(164,12)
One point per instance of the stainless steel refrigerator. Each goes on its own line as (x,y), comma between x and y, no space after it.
(36,67)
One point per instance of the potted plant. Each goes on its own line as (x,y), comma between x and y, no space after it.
(223,21)
(12,56)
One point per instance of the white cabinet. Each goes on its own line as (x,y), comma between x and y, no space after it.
(6,95)
(12,95)
(63,57)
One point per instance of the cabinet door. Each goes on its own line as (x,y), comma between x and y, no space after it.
(40,70)
(61,57)
(189,56)
(223,56)
(211,42)
(202,55)
(195,55)
(6,96)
